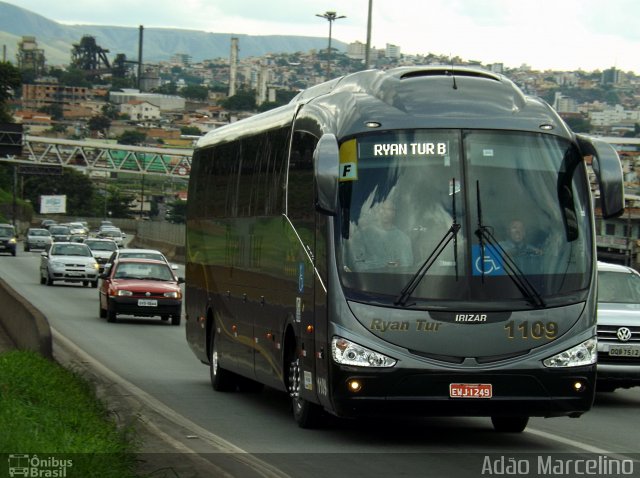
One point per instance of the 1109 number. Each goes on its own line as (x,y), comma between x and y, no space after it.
(531,330)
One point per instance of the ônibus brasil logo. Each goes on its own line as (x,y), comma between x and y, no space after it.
(40,467)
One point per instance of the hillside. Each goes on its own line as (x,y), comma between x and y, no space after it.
(159,44)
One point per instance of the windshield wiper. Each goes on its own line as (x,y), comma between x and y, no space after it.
(451,234)
(513,271)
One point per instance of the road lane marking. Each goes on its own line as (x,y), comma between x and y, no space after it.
(577,444)
(260,467)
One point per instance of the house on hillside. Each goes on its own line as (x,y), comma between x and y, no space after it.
(139,110)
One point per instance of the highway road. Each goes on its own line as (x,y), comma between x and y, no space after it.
(256,430)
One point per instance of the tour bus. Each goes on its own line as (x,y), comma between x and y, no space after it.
(352,249)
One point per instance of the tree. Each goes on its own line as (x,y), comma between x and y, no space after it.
(78,188)
(190,130)
(167,89)
(132,137)
(195,92)
(119,204)
(54,109)
(177,212)
(241,101)
(10,81)
(99,124)
(110,110)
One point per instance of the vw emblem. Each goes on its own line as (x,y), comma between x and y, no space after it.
(624,334)
(149,293)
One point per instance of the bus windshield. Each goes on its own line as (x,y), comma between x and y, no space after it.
(499,217)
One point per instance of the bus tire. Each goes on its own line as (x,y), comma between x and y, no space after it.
(306,414)
(509,424)
(221,380)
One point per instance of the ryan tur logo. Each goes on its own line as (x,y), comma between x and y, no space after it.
(34,466)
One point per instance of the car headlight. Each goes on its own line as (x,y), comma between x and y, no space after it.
(12,240)
(345,352)
(56,266)
(585,353)
(124,293)
(95,266)
(173,295)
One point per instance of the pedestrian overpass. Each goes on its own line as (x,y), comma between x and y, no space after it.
(99,158)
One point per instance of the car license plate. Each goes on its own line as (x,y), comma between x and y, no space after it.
(470,390)
(147,303)
(624,351)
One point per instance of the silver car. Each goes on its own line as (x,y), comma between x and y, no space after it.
(69,262)
(37,238)
(618,327)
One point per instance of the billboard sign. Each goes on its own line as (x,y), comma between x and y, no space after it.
(53,204)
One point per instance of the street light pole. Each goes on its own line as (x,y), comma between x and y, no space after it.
(367,51)
(330,17)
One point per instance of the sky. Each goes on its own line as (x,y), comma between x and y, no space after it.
(544,34)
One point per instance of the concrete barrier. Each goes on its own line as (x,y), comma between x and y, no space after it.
(25,325)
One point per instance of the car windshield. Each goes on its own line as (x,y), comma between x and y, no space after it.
(101,245)
(130,270)
(70,250)
(59,230)
(618,287)
(142,255)
(39,232)
(6,231)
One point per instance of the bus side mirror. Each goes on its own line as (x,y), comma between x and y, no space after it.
(326,163)
(606,165)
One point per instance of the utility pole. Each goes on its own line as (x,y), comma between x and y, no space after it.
(330,17)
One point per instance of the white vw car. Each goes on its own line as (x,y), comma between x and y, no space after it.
(618,327)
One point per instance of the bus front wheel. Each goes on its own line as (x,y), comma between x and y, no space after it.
(509,424)
(306,414)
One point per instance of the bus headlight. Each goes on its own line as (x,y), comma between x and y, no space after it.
(585,353)
(345,352)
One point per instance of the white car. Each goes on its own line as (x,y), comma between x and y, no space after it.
(101,249)
(37,238)
(69,262)
(114,234)
(618,327)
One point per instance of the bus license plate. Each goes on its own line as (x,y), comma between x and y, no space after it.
(470,390)
(147,303)
(625,351)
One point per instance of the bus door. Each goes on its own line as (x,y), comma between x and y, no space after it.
(302,215)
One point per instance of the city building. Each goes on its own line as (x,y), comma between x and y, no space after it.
(164,102)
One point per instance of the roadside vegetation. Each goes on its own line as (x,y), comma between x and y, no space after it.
(52,412)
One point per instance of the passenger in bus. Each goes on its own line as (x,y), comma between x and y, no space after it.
(525,255)
(380,244)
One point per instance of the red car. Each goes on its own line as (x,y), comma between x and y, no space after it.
(141,287)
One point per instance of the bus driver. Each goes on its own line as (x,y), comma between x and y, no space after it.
(380,244)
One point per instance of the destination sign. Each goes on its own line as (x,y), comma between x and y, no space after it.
(410,149)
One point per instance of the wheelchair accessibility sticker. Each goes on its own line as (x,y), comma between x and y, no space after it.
(490,264)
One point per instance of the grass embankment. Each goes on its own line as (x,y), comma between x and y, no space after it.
(49,411)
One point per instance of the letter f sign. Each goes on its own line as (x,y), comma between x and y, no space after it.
(348,172)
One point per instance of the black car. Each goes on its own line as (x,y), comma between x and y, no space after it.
(8,239)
